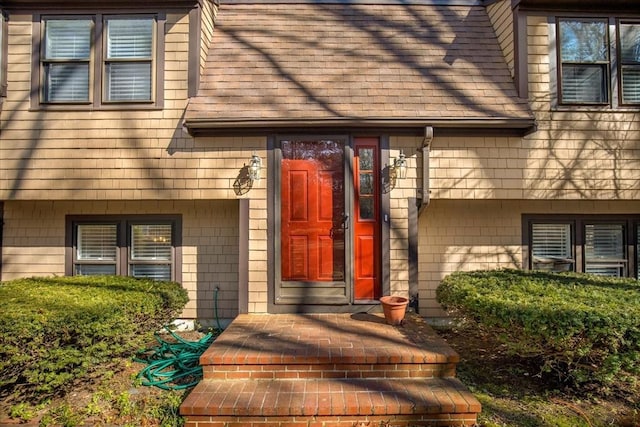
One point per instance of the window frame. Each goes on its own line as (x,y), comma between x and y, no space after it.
(603,64)
(97,76)
(4,45)
(631,223)
(613,78)
(123,224)
(621,64)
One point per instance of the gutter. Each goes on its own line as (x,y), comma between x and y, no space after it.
(423,202)
(213,127)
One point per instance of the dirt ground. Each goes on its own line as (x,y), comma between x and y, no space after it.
(514,393)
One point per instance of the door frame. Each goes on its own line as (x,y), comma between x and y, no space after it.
(274,156)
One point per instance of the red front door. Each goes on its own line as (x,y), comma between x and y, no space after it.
(315,240)
(313,221)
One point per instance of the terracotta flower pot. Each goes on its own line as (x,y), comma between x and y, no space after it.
(394,308)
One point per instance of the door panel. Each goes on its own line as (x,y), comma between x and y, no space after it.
(366,220)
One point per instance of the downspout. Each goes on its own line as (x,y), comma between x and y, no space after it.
(424,201)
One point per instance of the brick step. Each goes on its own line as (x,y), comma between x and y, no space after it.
(416,399)
(328,370)
(334,370)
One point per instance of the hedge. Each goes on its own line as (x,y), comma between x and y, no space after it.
(56,330)
(583,328)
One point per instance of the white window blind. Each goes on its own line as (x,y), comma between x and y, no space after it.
(97,242)
(604,249)
(128,63)
(151,242)
(630,62)
(551,246)
(96,249)
(67,52)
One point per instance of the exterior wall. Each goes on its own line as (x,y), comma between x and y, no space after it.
(463,235)
(576,154)
(501,18)
(111,155)
(478,168)
(403,192)
(34,244)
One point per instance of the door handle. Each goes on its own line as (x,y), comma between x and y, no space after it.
(345,222)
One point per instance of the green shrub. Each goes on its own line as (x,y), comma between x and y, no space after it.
(584,328)
(55,330)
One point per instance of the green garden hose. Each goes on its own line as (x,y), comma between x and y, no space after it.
(173,365)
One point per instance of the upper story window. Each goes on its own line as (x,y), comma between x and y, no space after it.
(3,55)
(99,60)
(629,48)
(599,61)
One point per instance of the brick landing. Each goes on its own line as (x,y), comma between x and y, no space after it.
(328,370)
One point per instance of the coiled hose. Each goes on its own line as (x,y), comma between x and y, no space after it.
(175,365)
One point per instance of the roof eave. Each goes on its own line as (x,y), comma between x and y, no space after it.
(210,127)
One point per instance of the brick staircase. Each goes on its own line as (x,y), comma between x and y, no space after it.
(335,370)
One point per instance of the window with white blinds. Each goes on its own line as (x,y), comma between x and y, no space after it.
(151,251)
(597,56)
(584,57)
(607,245)
(66,60)
(551,246)
(96,249)
(128,61)
(122,247)
(604,249)
(72,66)
(3,55)
(630,62)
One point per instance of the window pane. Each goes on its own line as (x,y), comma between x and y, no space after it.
(366,183)
(68,39)
(151,242)
(95,270)
(129,38)
(97,242)
(365,156)
(128,81)
(584,84)
(631,85)
(66,82)
(156,272)
(604,249)
(551,247)
(583,41)
(366,207)
(630,43)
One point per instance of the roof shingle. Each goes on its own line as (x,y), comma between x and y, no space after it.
(353,63)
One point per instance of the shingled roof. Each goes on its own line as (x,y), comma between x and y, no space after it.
(351,64)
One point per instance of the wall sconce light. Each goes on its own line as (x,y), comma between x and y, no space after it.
(400,166)
(255,166)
